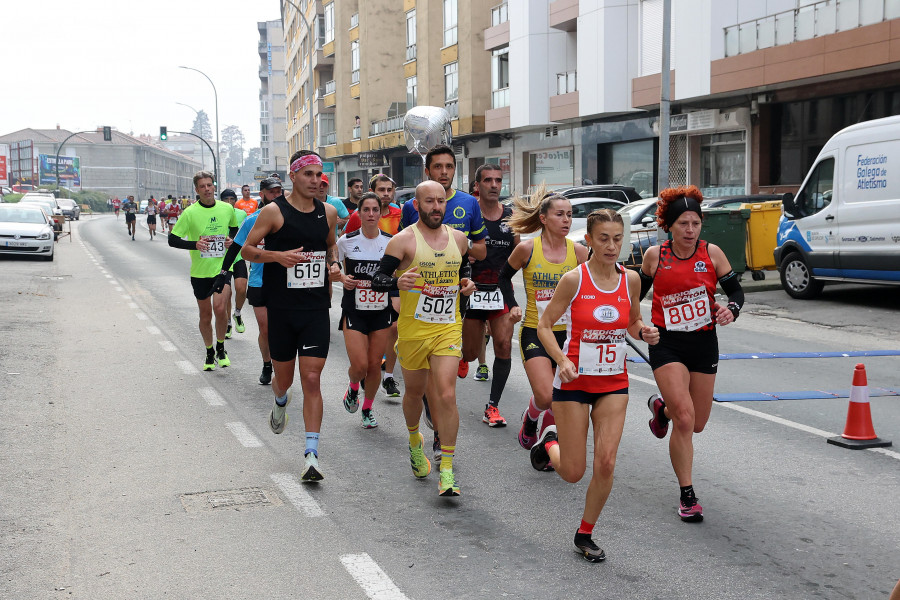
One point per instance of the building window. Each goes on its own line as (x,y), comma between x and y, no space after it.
(412,92)
(553,168)
(449,22)
(411,35)
(320,33)
(325,125)
(723,164)
(354,20)
(264,109)
(264,133)
(329,22)
(451,89)
(628,163)
(354,62)
(264,155)
(500,78)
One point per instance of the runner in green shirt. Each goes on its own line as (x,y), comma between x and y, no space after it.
(206,229)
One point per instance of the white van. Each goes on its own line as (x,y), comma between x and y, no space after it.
(844,224)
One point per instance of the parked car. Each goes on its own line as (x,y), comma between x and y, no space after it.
(22,188)
(401,195)
(44,198)
(69,208)
(736,201)
(622,193)
(142,206)
(26,229)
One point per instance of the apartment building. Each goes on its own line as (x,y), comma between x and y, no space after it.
(272,116)
(756,87)
(372,61)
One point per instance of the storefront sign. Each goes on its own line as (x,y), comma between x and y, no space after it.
(328,167)
(370,159)
(678,123)
(702,119)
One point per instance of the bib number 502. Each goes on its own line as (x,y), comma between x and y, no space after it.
(438,306)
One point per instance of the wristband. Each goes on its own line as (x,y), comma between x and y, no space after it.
(334,262)
(734,308)
(641,333)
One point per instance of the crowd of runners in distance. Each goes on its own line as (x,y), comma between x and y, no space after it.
(429,285)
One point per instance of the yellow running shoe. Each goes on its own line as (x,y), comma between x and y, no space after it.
(421,466)
(447,485)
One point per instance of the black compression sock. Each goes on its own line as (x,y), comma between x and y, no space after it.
(502,367)
(687,492)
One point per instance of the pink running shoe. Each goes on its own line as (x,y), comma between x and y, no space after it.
(690,511)
(528,431)
(659,424)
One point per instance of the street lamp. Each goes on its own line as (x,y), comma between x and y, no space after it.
(309,74)
(216,94)
(197,112)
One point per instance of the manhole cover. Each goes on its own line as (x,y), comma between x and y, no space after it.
(225,499)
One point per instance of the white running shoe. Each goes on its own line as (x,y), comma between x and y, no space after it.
(311,470)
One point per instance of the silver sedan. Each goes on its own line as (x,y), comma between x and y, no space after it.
(25,229)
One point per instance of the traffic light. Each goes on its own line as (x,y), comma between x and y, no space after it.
(107,134)
(163,135)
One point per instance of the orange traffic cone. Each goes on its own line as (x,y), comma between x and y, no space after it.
(858,432)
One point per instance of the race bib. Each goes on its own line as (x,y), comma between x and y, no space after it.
(437,304)
(601,352)
(215,248)
(369,299)
(687,311)
(309,272)
(542,301)
(486,300)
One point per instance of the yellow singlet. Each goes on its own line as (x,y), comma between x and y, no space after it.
(541,277)
(432,306)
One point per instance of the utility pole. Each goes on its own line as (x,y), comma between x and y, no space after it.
(664,95)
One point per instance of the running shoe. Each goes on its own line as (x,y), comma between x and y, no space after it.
(368,419)
(311,472)
(390,387)
(482,373)
(222,357)
(540,458)
(428,422)
(436,449)
(278,418)
(421,466)
(228,332)
(351,400)
(239,324)
(447,485)
(586,547)
(659,424)
(265,378)
(463,369)
(209,364)
(528,431)
(690,510)
(492,417)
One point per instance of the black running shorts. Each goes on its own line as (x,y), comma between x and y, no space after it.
(202,285)
(151,219)
(255,297)
(696,350)
(295,333)
(240,269)
(366,321)
(582,397)
(531,347)
(130,217)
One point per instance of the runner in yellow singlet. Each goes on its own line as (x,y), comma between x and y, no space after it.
(433,266)
(543,260)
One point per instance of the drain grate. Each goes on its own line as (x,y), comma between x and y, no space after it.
(234,499)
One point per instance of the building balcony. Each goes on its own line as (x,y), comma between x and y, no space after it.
(452,107)
(328,139)
(497,35)
(411,52)
(500,98)
(355,135)
(330,87)
(564,15)
(386,126)
(354,77)
(566,82)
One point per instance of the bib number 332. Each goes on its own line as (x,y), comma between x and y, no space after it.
(309,272)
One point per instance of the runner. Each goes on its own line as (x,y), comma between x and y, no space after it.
(366,314)
(174,209)
(354,194)
(591,383)
(683,272)
(269,190)
(117,204)
(151,210)
(486,304)
(389,222)
(239,269)
(164,214)
(246,202)
(433,262)
(299,251)
(131,208)
(206,229)
(543,260)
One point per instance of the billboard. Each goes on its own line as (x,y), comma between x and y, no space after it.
(69,170)
(4,174)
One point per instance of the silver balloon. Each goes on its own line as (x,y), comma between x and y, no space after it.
(425,127)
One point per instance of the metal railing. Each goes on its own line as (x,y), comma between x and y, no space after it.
(452,107)
(807,22)
(411,52)
(566,82)
(354,76)
(500,98)
(354,20)
(499,14)
(386,125)
(328,139)
(330,87)
(355,135)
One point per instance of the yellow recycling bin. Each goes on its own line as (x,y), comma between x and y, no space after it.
(762,231)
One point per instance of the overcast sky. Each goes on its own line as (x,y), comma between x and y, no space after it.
(106,62)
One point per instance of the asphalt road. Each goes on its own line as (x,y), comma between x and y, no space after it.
(110,436)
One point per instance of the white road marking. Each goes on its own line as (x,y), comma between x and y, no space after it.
(244,435)
(153,330)
(118,289)
(141,316)
(212,397)
(374,582)
(107,275)
(186,367)
(642,379)
(126,296)
(167,345)
(132,305)
(294,492)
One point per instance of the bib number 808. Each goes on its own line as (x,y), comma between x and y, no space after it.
(688,316)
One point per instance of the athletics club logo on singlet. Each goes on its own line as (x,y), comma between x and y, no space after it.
(606,313)
(700,267)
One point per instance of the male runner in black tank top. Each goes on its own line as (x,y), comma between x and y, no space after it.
(300,262)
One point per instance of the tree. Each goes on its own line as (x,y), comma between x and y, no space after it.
(201,127)
(232,151)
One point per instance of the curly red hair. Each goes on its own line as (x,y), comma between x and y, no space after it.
(670,195)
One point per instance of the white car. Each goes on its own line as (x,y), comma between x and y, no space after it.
(26,229)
